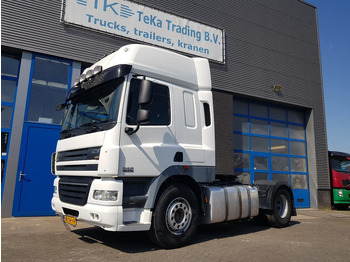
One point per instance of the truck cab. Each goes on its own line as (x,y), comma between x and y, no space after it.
(339,169)
(137,151)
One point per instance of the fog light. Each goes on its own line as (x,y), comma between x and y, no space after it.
(95,216)
(340,193)
(105,195)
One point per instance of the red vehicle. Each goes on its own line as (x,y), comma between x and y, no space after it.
(339,164)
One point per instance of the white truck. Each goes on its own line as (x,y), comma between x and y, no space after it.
(137,152)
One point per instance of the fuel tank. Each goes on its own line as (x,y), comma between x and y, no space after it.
(225,203)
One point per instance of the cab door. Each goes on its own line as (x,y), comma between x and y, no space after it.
(150,150)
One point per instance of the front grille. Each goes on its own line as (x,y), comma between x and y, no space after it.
(346,182)
(92,153)
(74,190)
(93,167)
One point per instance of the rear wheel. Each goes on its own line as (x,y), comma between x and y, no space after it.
(282,209)
(175,218)
(261,219)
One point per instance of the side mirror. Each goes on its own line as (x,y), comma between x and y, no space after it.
(143,116)
(145,97)
(146,92)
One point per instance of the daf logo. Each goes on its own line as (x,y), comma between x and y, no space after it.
(108,6)
(128,169)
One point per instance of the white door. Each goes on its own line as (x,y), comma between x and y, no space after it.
(152,149)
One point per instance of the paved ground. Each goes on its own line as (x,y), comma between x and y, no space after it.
(312,236)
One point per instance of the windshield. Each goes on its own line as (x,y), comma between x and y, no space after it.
(93,110)
(341,165)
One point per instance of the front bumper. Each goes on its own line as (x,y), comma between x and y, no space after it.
(341,196)
(108,215)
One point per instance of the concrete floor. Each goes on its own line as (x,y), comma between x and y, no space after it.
(313,235)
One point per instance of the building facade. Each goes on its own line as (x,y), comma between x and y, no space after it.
(266,76)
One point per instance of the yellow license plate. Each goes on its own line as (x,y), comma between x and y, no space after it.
(70,220)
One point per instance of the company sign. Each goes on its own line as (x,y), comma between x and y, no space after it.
(135,21)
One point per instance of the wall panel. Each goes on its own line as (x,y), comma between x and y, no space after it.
(267,42)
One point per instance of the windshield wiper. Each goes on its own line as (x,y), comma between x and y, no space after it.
(94,125)
(67,133)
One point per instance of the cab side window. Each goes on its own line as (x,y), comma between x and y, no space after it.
(159,107)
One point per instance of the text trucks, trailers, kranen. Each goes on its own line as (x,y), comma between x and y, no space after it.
(137,151)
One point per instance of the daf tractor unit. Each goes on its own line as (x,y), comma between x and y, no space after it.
(137,152)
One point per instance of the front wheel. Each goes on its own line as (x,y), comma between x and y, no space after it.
(175,218)
(282,209)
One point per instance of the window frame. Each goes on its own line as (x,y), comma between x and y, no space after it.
(69,82)
(134,100)
(8,130)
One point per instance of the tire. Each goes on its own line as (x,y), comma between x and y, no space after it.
(261,219)
(282,209)
(175,219)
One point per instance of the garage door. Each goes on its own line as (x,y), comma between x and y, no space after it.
(270,143)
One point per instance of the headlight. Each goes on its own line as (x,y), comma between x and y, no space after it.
(76,81)
(97,70)
(105,195)
(340,193)
(82,78)
(89,73)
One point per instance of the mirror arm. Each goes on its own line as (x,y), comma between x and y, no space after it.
(130,130)
(61,106)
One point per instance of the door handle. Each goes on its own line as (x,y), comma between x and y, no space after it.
(22,176)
